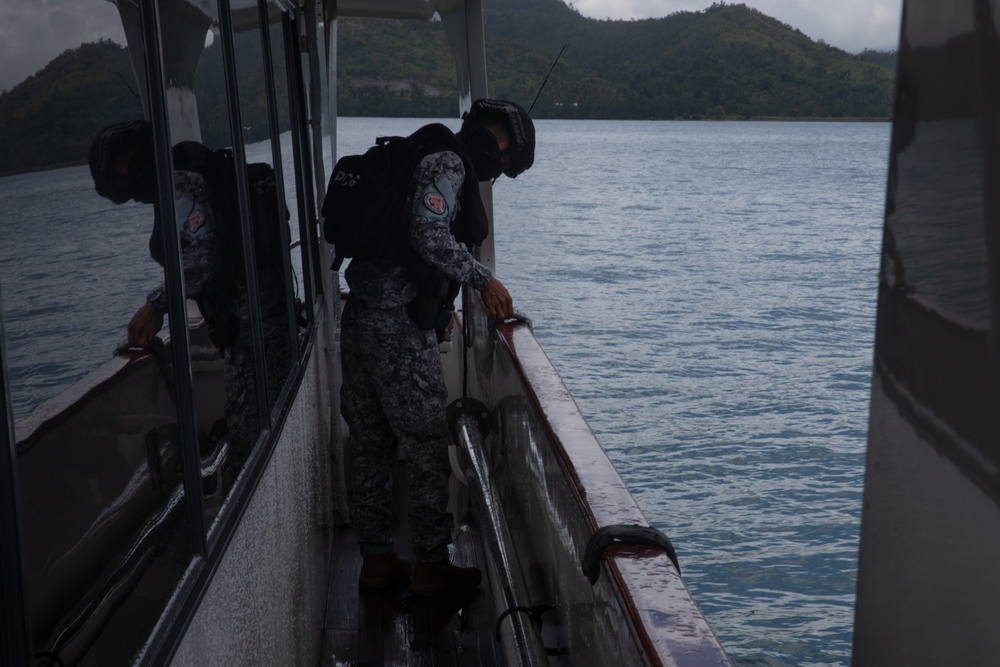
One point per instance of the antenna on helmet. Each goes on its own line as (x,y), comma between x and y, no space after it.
(546,79)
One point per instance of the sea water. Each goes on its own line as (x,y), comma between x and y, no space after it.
(705,289)
(707,292)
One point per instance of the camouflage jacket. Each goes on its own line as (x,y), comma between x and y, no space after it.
(434,203)
(200,252)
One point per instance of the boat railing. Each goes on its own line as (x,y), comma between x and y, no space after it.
(521,640)
(555,487)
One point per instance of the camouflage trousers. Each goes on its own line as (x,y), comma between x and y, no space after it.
(394,391)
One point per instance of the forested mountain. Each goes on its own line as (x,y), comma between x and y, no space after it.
(885,59)
(728,61)
(52,117)
(725,61)
(388,68)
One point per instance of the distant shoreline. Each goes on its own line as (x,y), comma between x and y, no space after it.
(51,167)
(711,119)
(787,119)
(763,119)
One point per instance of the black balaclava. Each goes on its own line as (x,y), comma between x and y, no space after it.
(142,175)
(484,151)
(103,150)
(518,124)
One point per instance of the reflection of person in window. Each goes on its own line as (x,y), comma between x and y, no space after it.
(123,168)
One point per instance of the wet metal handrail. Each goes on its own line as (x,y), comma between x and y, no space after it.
(521,640)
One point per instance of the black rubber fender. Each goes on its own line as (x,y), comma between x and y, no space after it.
(622,534)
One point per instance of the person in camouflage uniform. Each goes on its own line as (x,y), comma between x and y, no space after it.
(123,168)
(393,384)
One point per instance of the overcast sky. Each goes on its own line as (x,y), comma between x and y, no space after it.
(33,32)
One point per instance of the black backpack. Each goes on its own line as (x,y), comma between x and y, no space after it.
(265,217)
(218,168)
(363,209)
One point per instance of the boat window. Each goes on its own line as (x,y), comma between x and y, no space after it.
(105,536)
(106,423)
(294,148)
(935,276)
(261,118)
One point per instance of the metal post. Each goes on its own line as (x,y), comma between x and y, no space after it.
(301,150)
(521,640)
(249,252)
(279,186)
(174,278)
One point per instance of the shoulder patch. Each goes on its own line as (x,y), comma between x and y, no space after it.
(435,203)
(195,220)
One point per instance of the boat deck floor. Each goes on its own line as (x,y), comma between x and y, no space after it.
(395,628)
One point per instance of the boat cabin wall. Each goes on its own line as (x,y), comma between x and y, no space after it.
(930,527)
(135,455)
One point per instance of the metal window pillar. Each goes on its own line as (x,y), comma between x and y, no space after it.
(174,279)
(275,130)
(249,252)
(305,194)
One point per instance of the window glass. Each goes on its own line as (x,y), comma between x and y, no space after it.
(271,210)
(286,107)
(935,313)
(105,534)
(224,359)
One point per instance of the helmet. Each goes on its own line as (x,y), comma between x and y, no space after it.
(105,146)
(518,122)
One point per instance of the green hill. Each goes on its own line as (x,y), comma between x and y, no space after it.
(884,59)
(388,68)
(51,118)
(728,61)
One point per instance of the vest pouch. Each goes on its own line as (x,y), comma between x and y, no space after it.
(218,305)
(224,330)
(443,320)
(429,313)
(432,308)
(424,310)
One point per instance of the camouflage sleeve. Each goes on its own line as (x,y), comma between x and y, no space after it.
(195,224)
(199,266)
(437,182)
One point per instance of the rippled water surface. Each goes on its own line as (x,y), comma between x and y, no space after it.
(706,291)
(73,269)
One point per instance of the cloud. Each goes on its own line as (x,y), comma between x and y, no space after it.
(32,33)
